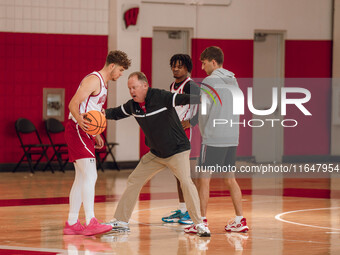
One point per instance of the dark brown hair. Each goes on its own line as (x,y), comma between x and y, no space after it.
(211,53)
(118,57)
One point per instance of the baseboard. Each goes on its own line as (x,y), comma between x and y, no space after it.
(245,158)
(8,167)
(310,159)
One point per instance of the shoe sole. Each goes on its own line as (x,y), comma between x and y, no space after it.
(100,232)
(238,231)
(185,223)
(119,230)
(170,221)
(72,234)
(190,232)
(204,235)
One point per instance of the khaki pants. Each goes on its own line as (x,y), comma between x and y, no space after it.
(150,165)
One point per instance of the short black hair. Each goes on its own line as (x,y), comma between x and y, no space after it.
(211,53)
(183,59)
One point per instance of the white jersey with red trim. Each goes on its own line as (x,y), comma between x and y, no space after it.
(183,111)
(93,102)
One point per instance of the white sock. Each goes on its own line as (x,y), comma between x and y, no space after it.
(89,174)
(203,218)
(182,207)
(238,219)
(75,198)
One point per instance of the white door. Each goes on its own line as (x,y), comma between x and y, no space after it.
(268,73)
(166,43)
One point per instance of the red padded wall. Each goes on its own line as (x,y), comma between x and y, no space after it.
(309,59)
(31,62)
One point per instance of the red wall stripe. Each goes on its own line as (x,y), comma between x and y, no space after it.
(287,192)
(146,67)
(309,59)
(31,62)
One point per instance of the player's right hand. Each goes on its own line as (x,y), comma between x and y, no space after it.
(82,122)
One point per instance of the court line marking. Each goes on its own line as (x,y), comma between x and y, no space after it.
(153,225)
(21,248)
(278,217)
(51,250)
(178,226)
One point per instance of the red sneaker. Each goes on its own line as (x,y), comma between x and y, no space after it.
(192,228)
(232,226)
(95,228)
(75,229)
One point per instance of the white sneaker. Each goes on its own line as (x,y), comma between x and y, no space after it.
(118,226)
(202,230)
(192,228)
(233,226)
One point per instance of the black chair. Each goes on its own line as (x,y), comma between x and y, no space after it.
(27,133)
(105,151)
(55,128)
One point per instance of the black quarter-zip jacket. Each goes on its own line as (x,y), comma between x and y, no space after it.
(163,131)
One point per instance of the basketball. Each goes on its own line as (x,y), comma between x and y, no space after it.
(97,122)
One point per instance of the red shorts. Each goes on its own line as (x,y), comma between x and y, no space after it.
(194,136)
(80,144)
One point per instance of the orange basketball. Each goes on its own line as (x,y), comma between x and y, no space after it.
(97,122)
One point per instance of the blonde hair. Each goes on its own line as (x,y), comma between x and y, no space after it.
(140,76)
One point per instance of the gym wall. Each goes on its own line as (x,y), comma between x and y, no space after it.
(54,44)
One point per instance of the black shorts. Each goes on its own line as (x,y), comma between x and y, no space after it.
(215,162)
(222,156)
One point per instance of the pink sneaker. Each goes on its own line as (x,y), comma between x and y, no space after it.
(95,228)
(192,228)
(232,226)
(75,229)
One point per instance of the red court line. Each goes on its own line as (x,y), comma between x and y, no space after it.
(288,192)
(23,252)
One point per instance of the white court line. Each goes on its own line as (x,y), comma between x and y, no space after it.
(178,227)
(278,217)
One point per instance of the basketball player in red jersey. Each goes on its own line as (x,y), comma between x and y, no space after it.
(181,67)
(91,95)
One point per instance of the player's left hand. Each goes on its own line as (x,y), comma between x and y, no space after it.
(185,124)
(99,142)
